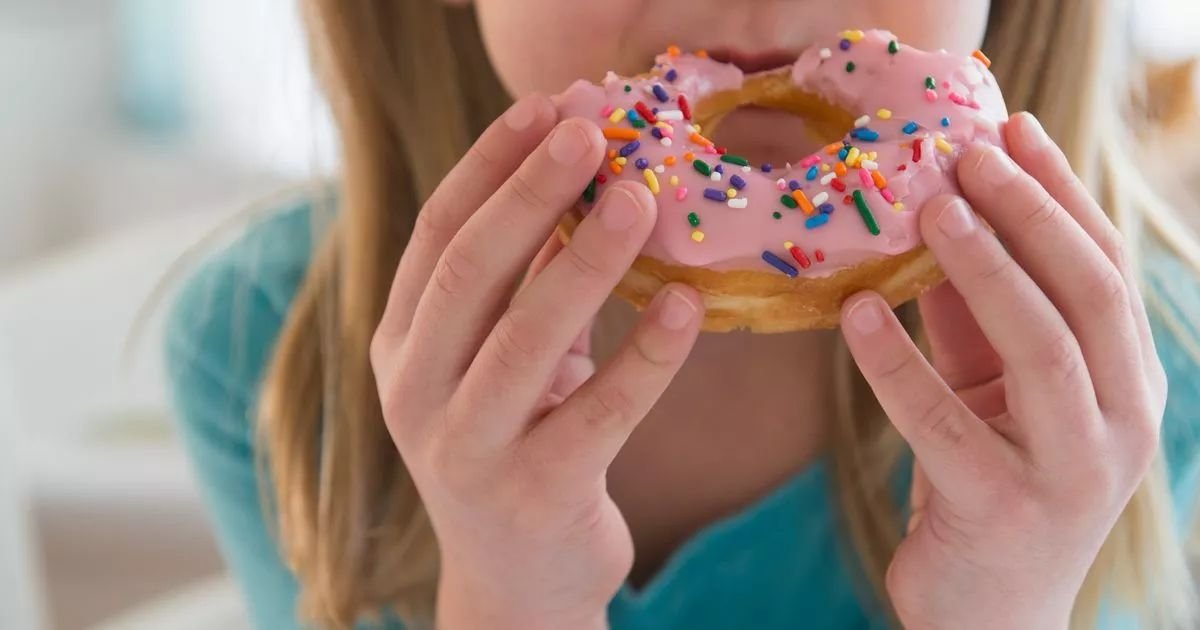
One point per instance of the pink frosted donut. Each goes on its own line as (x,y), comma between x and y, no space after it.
(779,247)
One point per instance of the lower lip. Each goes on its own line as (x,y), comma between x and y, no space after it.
(752,63)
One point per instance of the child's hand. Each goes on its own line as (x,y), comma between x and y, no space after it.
(506,442)
(1042,415)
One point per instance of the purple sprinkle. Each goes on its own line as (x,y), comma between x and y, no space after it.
(794,185)
(660,93)
(672,75)
(657,133)
(780,264)
(714,194)
(642,164)
(737,182)
(845,45)
(766,168)
(827,208)
(629,149)
(720,169)
(816,221)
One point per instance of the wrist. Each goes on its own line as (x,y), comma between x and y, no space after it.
(464,602)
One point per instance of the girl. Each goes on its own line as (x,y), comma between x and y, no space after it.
(436,446)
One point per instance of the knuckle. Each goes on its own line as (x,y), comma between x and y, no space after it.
(428,228)
(942,424)
(997,270)
(646,352)
(896,365)
(1060,355)
(1112,243)
(479,156)
(454,270)
(608,404)
(526,193)
(1044,213)
(1108,292)
(583,263)
(517,341)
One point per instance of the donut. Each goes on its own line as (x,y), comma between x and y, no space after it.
(776,248)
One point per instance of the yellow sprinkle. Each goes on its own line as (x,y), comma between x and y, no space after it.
(731,193)
(824,168)
(873,156)
(697,236)
(617,116)
(855,36)
(852,156)
(943,146)
(884,114)
(651,180)
(898,205)
(622,161)
(788,244)
(674,180)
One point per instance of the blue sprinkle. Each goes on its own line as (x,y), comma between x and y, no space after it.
(813,173)
(869,135)
(843,153)
(737,182)
(633,116)
(719,169)
(779,264)
(845,44)
(793,185)
(660,93)
(714,194)
(629,149)
(911,128)
(946,121)
(642,164)
(827,208)
(657,133)
(816,221)
(766,168)
(672,75)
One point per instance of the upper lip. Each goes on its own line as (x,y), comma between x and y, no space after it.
(750,62)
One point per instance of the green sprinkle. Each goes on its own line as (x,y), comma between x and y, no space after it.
(693,219)
(850,67)
(735,159)
(789,201)
(777,215)
(893,47)
(865,211)
(930,83)
(628,88)
(702,167)
(638,123)
(589,193)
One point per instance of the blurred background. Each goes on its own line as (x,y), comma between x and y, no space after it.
(130,130)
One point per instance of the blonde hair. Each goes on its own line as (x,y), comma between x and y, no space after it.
(411,85)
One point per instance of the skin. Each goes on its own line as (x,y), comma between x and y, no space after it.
(1032,426)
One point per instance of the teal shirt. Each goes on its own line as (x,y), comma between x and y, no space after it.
(778,563)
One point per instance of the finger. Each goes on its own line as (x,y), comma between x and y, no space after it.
(492,160)
(474,279)
(554,244)
(592,425)
(1045,375)
(918,497)
(518,359)
(956,450)
(1035,152)
(1067,265)
(961,353)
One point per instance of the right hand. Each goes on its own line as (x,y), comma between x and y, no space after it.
(505,433)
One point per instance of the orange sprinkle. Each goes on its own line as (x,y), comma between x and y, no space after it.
(880,180)
(840,169)
(616,168)
(669,160)
(617,133)
(978,54)
(689,157)
(703,54)
(673,50)
(699,139)
(832,149)
(612,154)
(805,204)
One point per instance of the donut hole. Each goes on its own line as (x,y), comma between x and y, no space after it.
(817,122)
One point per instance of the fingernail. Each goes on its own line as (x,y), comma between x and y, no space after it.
(675,311)
(995,167)
(1033,135)
(521,114)
(569,144)
(618,210)
(866,317)
(956,220)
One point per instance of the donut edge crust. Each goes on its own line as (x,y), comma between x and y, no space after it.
(769,302)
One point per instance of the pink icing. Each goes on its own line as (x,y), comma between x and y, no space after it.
(736,237)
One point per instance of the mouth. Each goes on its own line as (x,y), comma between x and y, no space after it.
(752,62)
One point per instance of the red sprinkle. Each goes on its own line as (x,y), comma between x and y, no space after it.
(722,150)
(917,150)
(838,185)
(685,107)
(800,257)
(902,167)
(820,255)
(600,178)
(848,200)
(645,112)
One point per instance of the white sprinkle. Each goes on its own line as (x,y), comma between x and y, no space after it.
(782,185)
(870,165)
(828,178)
(739,202)
(862,122)
(691,129)
(826,53)
(746,169)
(649,89)
(666,142)
(821,198)
(715,176)
(669,114)
(660,169)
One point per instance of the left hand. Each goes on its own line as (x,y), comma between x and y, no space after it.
(1040,414)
